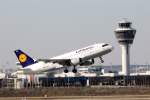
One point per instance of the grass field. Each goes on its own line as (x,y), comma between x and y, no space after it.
(116,97)
(74,91)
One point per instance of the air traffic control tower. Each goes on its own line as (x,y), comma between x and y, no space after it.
(125,35)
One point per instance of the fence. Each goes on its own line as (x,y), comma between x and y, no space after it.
(140,81)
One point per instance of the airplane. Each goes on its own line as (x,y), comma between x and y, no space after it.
(82,57)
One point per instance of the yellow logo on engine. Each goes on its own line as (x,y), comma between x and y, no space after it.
(22,58)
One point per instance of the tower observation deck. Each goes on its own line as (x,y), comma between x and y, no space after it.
(125,35)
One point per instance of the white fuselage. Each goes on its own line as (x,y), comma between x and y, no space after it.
(87,53)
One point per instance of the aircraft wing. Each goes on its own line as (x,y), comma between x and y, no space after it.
(64,62)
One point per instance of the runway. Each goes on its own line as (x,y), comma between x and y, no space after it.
(117,97)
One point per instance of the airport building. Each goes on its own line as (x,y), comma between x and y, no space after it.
(125,35)
(86,76)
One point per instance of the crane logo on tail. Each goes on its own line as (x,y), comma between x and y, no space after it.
(22,58)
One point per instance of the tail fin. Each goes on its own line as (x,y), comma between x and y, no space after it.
(23,58)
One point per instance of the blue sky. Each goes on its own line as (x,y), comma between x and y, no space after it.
(46,28)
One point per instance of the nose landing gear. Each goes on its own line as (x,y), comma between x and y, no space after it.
(101,59)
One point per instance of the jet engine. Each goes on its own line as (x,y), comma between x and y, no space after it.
(76,61)
(87,63)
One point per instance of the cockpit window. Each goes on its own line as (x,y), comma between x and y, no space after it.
(105,45)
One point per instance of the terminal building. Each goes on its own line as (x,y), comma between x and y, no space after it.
(86,76)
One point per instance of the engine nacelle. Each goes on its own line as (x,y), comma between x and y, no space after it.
(75,61)
(87,63)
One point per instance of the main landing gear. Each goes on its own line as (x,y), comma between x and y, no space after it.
(66,70)
(74,70)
